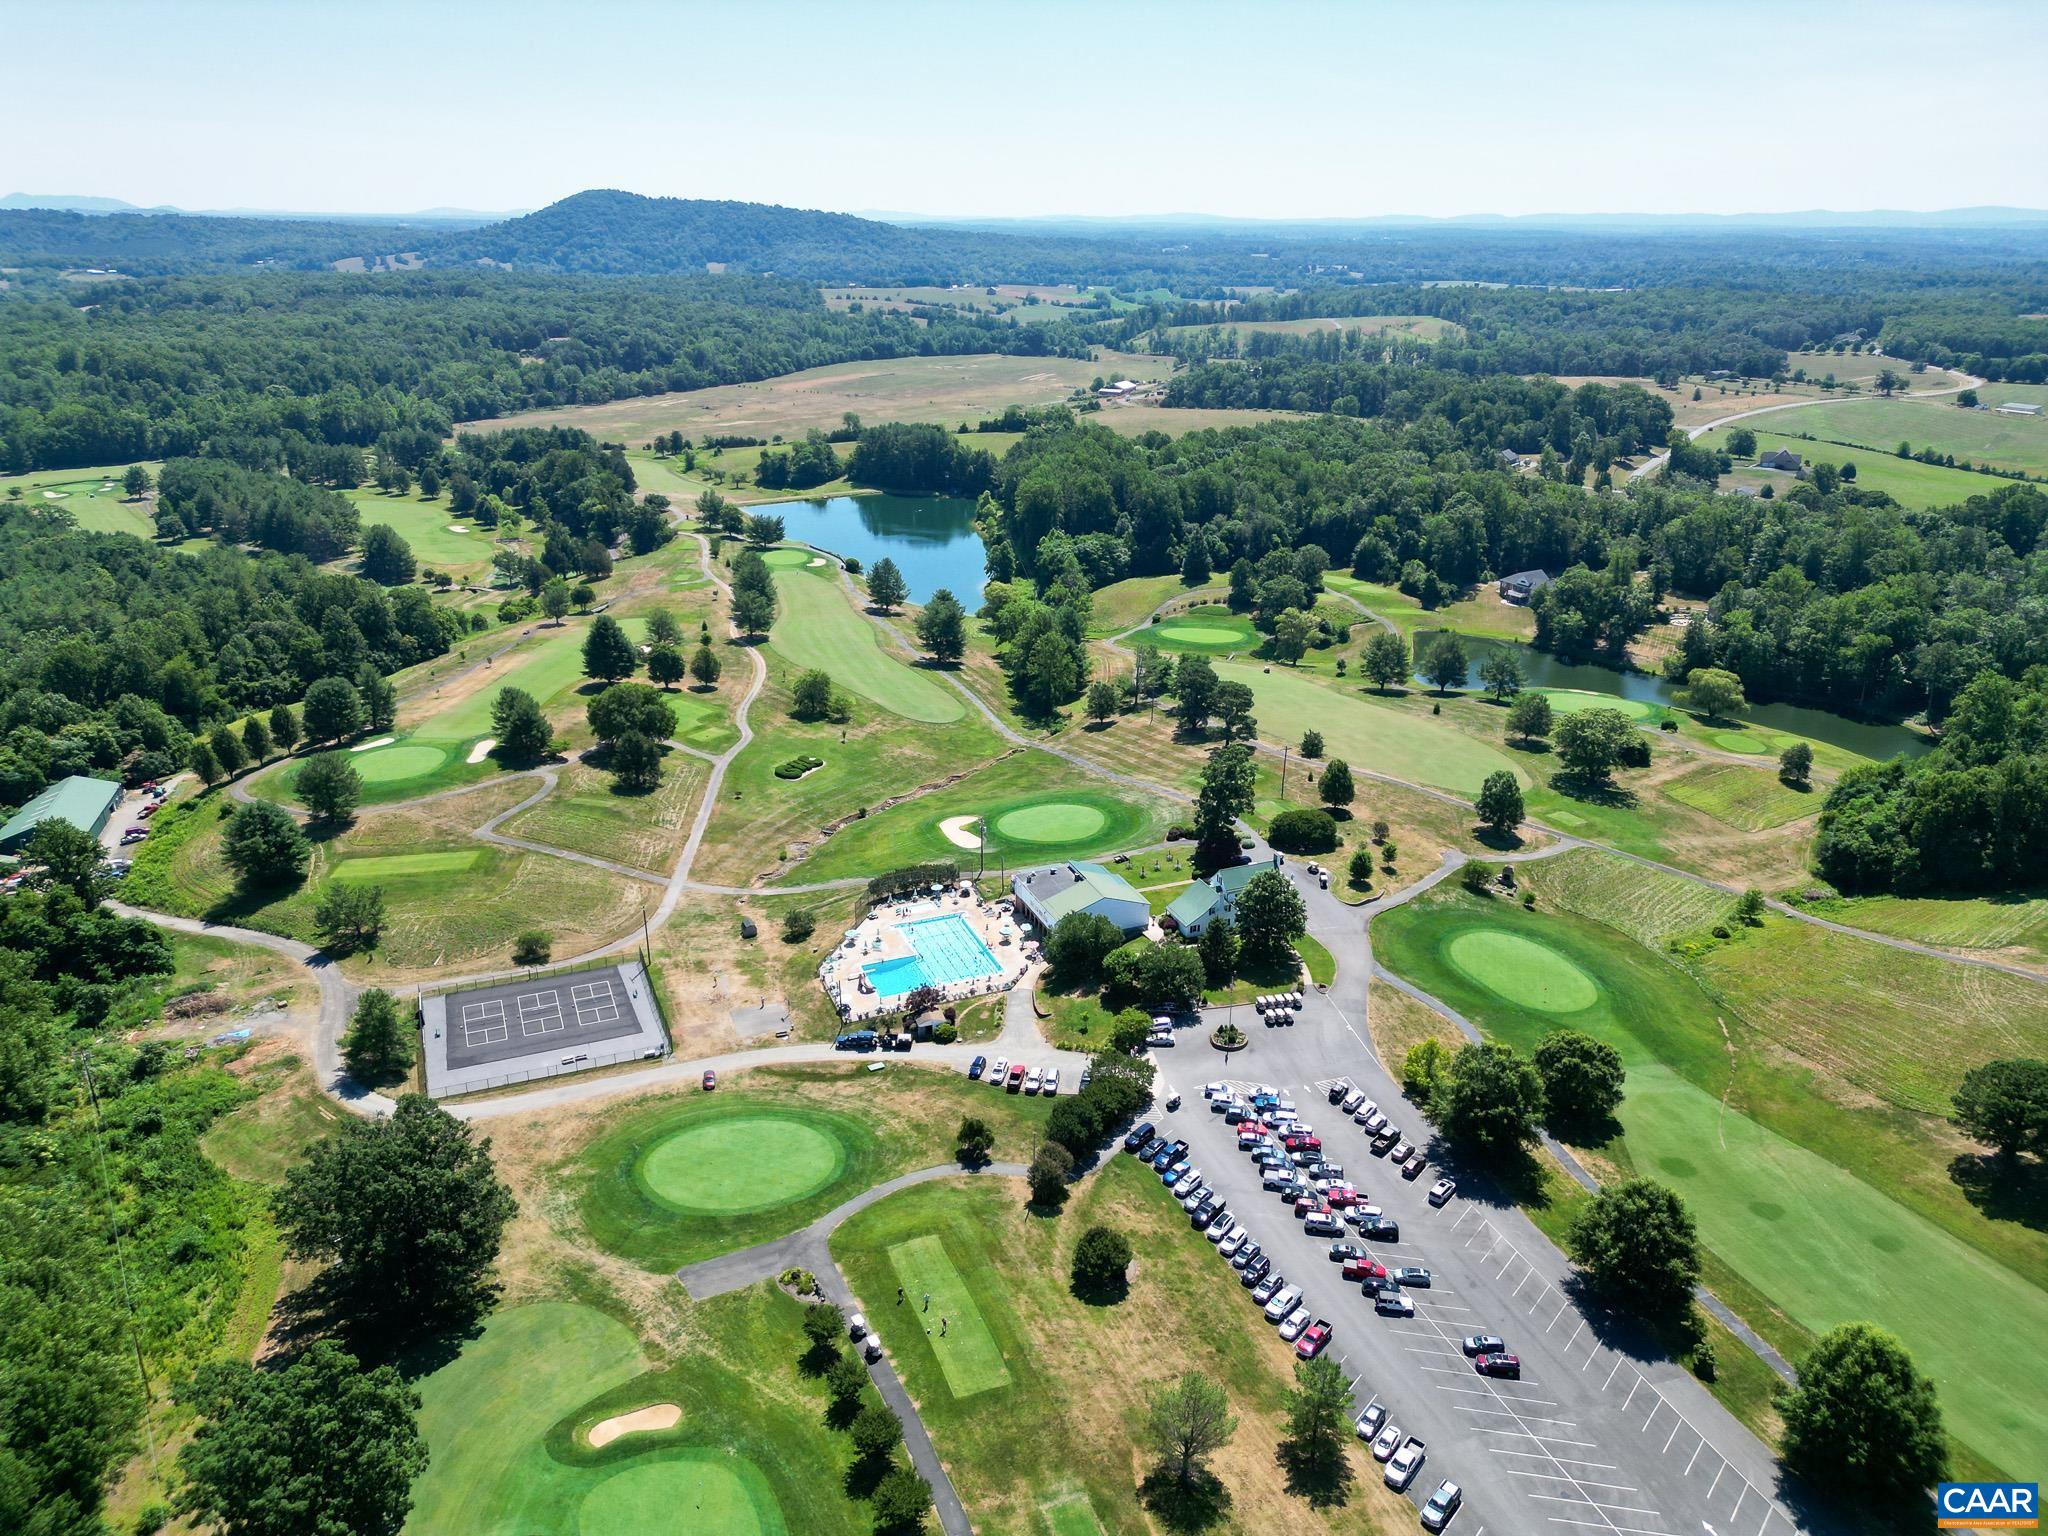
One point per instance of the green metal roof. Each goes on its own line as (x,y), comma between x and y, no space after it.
(1237,876)
(79,800)
(1092,883)
(1193,904)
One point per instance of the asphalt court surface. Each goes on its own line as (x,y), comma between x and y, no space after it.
(517,1018)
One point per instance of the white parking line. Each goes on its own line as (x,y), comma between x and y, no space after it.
(1530,1418)
(1667,1441)
(1695,1457)
(1517,1434)
(1609,1525)
(1585,1481)
(1600,1504)
(1597,1466)
(1611,1375)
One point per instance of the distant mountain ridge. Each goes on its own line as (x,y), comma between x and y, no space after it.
(65,203)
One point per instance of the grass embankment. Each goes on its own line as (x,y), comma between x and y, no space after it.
(668,1182)
(1039,1433)
(1834,1207)
(2012,927)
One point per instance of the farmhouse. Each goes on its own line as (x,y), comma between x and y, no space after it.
(1206,900)
(1778,458)
(2017,408)
(1047,895)
(85,803)
(1523,585)
(1122,389)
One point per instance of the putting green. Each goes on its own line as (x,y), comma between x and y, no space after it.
(788,557)
(741,1164)
(1521,970)
(1745,742)
(1570,701)
(704,1491)
(385,866)
(1056,821)
(1201,634)
(966,1351)
(388,765)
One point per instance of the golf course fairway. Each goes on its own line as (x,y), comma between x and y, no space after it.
(819,628)
(1818,1241)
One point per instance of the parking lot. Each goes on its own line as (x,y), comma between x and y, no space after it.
(1590,1438)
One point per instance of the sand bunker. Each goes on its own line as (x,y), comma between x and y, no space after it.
(659,1416)
(959,831)
(366,746)
(482,749)
(458,528)
(818,560)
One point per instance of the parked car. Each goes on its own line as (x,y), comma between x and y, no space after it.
(1159,1037)
(1254,1272)
(1338,1090)
(1282,1306)
(1411,1274)
(1381,1229)
(1373,1420)
(1150,1148)
(999,1074)
(1368,1115)
(1204,1215)
(1436,1514)
(1482,1344)
(1403,1150)
(1296,1323)
(1386,1442)
(1230,1245)
(1364,1267)
(1196,1196)
(1414,1166)
(1032,1081)
(1506,1365)
(1188,1184)
(1405,1463)
(1314,1339)
(1323,1224)
(1050,1083)
(1394,1304)
(980,1065)
(710,1079)
(1267,1286)
(1276,1179)
(1341,1253)
(1137,1137)
(1352,1100)
(1247,1255)
(1441,1191)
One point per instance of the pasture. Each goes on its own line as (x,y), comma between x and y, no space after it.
(1423,327)
(1910,483)
(508,1427)
(1772,1194)
(819,627)
(1032,810)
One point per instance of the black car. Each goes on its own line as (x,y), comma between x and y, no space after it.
(1255,1271)
(1138,1136)
(1153,1146)
(1337,1092)
(1205,1213)
(1382,1229)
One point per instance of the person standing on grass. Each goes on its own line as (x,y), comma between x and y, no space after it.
(942,1326)
(927,1301)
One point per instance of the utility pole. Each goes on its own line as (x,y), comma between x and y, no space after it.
(1283,773)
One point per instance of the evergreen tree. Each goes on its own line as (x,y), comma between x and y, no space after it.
(255,739)
(607,653)
(284,727)
(705,667)
(330,788)
(379,1044)
(523,732)
(227,751)
(942,627)
(887,589)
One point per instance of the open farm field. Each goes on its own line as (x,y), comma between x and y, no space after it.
(1029,808)
(1427,327)
(668,1181)
(1981,436)
(1033,1396)
(92,497)
(1026,303)
(1794,1188)
(946,390)
(1907,481)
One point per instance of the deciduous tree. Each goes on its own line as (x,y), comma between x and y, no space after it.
(524,735)
(349,914)
(1582,1080)
(1335,786)
(264,846)
(1638,1247)
(1500,803)
(1490,1101)
(330,788)
(2004,1104)
(1863,1423)
(1386,660)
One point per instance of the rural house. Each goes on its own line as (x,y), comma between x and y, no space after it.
(1523,585)
(1206,900)
(1779,458)
(1047,895)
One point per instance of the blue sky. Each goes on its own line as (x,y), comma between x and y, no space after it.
(1279,109)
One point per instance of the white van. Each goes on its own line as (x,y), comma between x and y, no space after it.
(1282,1306)
(1050,1084)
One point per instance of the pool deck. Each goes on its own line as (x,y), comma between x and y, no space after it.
(880,937)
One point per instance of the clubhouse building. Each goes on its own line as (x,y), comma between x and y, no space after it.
(1206,900)
(1047,895)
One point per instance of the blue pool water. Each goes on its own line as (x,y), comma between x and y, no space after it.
(944,950)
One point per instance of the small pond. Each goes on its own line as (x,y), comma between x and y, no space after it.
(931,538)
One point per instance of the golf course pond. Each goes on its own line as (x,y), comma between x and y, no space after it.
(931,538)
(1542,670)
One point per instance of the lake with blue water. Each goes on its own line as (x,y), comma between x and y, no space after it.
(931,538)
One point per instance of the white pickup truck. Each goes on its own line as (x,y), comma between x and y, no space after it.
(1406,1462)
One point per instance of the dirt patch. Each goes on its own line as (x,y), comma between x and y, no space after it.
(639,1421)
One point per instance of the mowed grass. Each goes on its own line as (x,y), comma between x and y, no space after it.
(959,1340)
(1367,735)
(1982,437)
(428,528)
(640,1194)
(1820,1242)
(587,814)
(1749,798)
(397,866)
(92,497)
(818,627)
(1133,600)
(1910,483)
(1208,630)
(1481,614)
(1428,327)
(2015,926)
(507,1422)
(1034,810)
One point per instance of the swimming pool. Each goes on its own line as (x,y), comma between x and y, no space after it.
(944,951)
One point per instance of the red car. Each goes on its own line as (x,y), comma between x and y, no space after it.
(1309,1205)
(1341,1195)
(1364,1268)
(149,810)
(710,1079)
(1314,1339)
(1498,1365)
